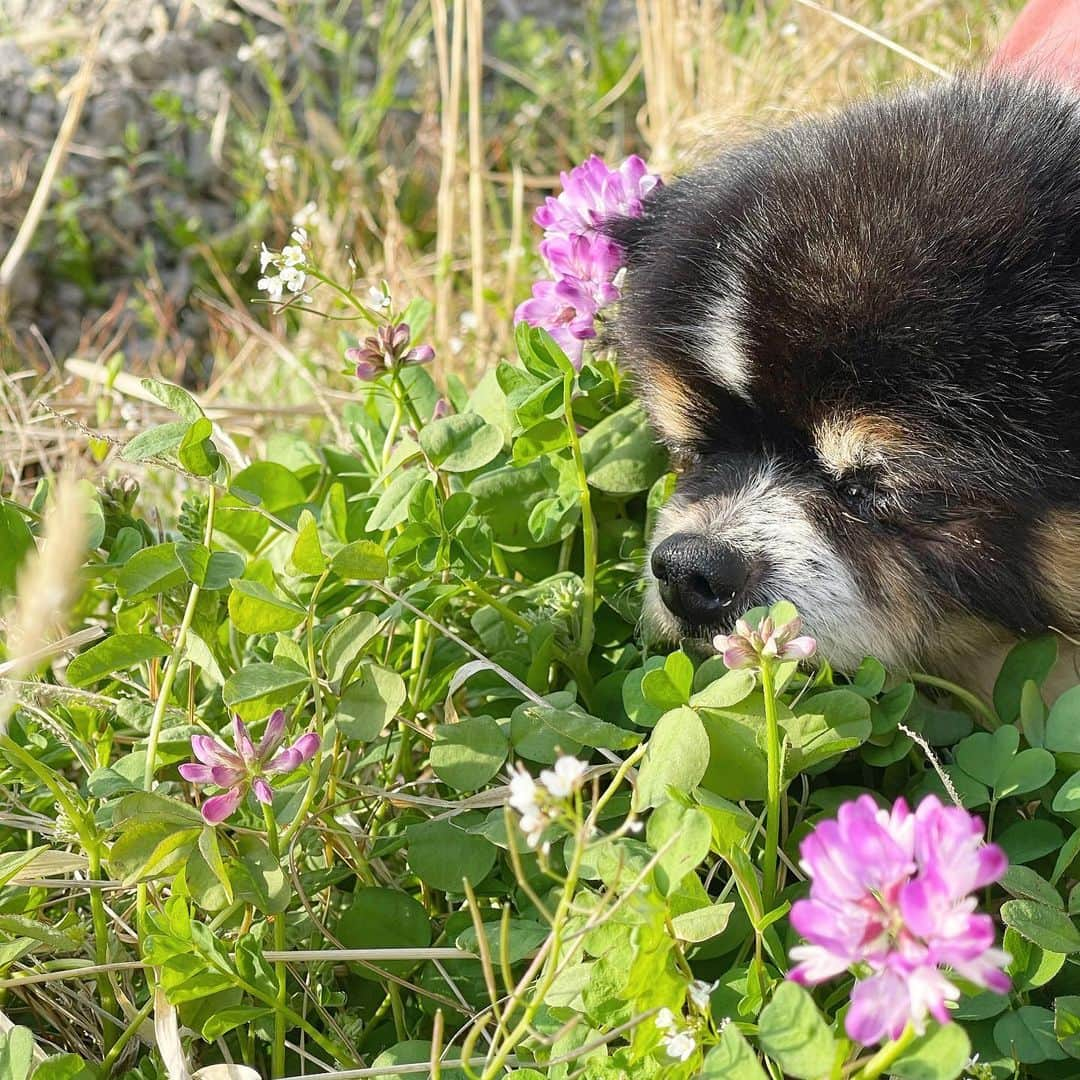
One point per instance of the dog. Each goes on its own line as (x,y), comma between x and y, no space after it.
(859,338)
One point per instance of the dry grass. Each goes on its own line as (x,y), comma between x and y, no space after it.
(709,75)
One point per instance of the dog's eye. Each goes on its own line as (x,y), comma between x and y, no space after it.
(859,494)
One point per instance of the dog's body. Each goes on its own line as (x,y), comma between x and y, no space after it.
(860,337)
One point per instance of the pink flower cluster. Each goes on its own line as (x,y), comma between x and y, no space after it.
(891,895)
(582,260)
(747,647)
(246,766)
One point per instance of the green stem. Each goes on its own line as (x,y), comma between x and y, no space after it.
(109,1031)
(588,524)
(344,293)
(972,701)
(887,1055)
(277,1049)
(117,1048)
(772,793)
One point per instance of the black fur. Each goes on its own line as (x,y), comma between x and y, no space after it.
(916,257)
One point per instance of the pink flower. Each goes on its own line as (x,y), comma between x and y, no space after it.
(566,310)
(246,766)
(386,350)
(746,647)
(592,193)
(891,893)
(591,261)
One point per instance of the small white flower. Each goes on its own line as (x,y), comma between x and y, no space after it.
(417,52)
(680,1045)
(665,1019)
(378,299)
(700,991)
(522,791)
(272,286)
(266,257)
(468,321)
(533,825)
(245,53)
(293,278)
(456,345)
(268,159)
(292,255)
(634,827)
(565,778)
(305,218)
(299,236)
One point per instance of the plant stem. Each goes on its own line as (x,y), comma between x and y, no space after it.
(887,1055)
(109,1032)
(117,1048)
(972,701)
(277,1049)
(772,793)
(588,525)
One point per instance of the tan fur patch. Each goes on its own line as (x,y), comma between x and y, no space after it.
(847,443)
(1055,547)
(670,405)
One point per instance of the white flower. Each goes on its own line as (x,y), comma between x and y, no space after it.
(634,827)
(417,52)
(679,1045)
(379,300)
(699,993)
(565,778)
(665,1019)
(268,159)
(292,255)
(522,791)
(293,278)
(532,825)
(468,321)
(299,235)
(266,257)
(306,217)
(456,345)
(272,286)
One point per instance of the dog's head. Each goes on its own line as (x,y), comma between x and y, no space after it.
(860,339)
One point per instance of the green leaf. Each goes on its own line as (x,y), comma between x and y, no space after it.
(1028,1034)
(379,918)
(392,509)
(1024,884)
(254,609)
(255,690)
(441,855)
(736,767)
(684,835)
(640,711)
(1032,714)
(16,1053)
(823,726)
(66,1067)
(1067,798)
(546,437)
(175,398)
(158,442)
(259,878)
(116,653)
(466,755)
(149,572)
(1047,927)
(1026,841)
(225,1020)
(1030,966)
(524,939)
(703,923)
(574,726)
(622,455)
(208,848)
(461,443)
(345,642)
(15,541)
(1063,723)
(147,849)
(985,755)
(941,1054)
(1027,772)
(196,451)
(307,553)
(361,560)
(1032,659)
(370,701)
(732,1059)
(677,756)
(792,1031)
(728,690)
(414,1052)
(209,570)
(1067,1024)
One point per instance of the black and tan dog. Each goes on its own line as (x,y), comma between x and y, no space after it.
(860,338)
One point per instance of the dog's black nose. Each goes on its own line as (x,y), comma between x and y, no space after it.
(699,579)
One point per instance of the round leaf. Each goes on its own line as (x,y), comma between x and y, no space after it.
(466,755)
(441,855)
(381,918)
(461,443)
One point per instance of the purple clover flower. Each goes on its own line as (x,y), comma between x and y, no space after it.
(386,350)
(592,193)
(247,766)
(746,647)
(891,894)
(583,262)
